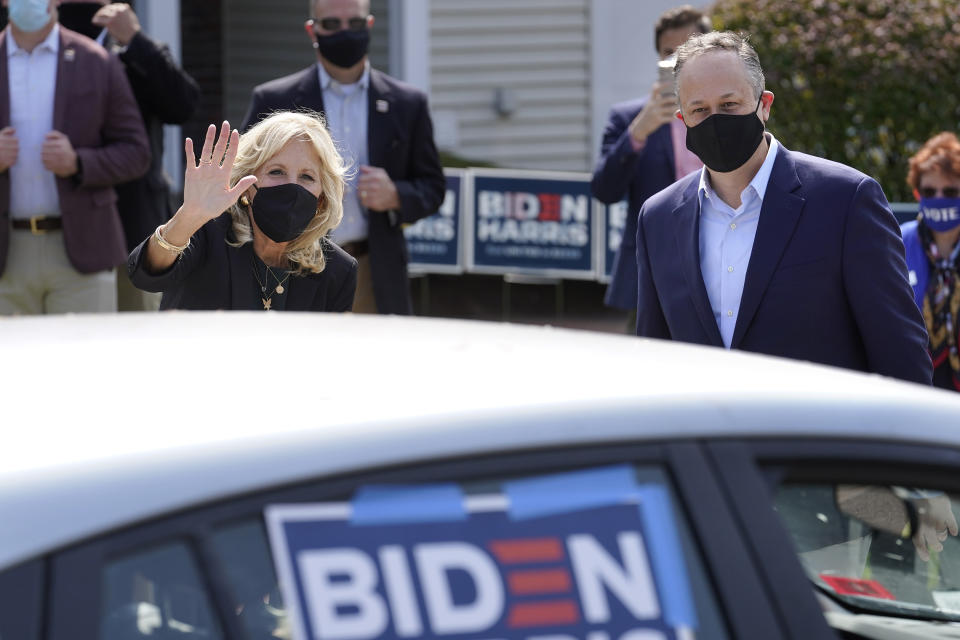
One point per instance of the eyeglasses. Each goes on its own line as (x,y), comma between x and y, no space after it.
(948,192)
(335,24)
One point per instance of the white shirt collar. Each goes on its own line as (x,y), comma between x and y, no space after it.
(759,182)
(326,80)
(50,43)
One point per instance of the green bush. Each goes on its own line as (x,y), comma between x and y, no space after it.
(862,82)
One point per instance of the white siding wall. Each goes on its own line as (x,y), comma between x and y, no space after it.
(534,52)
(161,21)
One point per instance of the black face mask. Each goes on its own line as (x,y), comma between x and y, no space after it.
(344,48)
(724,142)
(77,16)
(284,211)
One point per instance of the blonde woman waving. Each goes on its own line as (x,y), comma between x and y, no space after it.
(252,231)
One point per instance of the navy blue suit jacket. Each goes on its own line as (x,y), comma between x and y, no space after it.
(620,172)
(826,281)
(400,140)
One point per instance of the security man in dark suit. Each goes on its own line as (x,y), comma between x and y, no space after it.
(165,94)
(383,128)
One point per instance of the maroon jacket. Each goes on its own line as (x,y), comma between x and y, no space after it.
(94,106)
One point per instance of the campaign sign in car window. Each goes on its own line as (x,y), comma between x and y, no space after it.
(534,223)
(586,555)
(434,242)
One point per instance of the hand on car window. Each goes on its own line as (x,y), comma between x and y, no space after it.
(935,520)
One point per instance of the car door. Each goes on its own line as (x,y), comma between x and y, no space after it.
(21,600)
(208,572)
(839,537)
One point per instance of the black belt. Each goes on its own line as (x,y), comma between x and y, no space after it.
(357,249)
(38,225)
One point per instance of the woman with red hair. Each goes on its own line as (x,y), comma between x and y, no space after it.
(933,253)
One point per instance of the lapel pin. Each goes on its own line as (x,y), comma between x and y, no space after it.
(383,106)
(69,55)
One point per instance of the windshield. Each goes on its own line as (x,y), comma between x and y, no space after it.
(886,550)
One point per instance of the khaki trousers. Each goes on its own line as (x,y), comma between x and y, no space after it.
(39,279)
(129,298)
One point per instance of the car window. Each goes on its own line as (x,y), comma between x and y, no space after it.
(156,592)
(244,554)
(243,551)
(884,549)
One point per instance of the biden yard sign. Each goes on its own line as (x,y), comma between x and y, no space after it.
(530,222)
(589,555)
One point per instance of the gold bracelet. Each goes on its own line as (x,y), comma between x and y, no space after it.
(166,245)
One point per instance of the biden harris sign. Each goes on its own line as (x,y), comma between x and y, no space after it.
(434,243)
(589,555)
(532,222)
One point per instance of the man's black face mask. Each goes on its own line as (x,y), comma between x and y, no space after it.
(724,142)
(344,48)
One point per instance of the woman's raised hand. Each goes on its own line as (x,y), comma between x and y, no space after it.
(206,184)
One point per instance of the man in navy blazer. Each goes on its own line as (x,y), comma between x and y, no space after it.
(396,177)
(638,151)
(769,250)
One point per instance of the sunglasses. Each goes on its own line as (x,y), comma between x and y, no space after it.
(335,24)
(948,192)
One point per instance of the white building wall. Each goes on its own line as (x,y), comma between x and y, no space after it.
(410,42)
(160,19)
(510,81)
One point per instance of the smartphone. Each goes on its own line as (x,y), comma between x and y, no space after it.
(665,74)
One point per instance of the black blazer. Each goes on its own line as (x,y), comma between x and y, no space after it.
(399,140)
(213,275)
(165,94)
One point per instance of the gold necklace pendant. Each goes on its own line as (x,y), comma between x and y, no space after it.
(266,303)
(279,289)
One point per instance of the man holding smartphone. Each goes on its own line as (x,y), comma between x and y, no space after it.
(644,150)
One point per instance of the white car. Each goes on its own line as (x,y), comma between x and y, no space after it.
(232,475)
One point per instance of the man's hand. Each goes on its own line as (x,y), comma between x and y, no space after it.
(119,20)
(9,148)
(936,521)
(376,189)
(58,154)
(659,110)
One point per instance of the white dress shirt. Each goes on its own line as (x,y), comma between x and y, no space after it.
(33,82)
(726,242)
(345,108)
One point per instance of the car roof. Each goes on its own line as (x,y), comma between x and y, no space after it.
(111,419)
